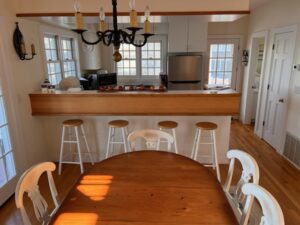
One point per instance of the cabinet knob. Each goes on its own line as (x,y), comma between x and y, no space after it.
(281,100)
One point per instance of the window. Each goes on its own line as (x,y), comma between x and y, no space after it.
(7,165)
(141,62)
(60,57)
(221,64)
(151,59)
(127,66)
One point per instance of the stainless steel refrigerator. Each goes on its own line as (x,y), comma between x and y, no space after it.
(185,72)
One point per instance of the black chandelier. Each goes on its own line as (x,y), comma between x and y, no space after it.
(115,36)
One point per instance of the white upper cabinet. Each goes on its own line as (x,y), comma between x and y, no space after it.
(187,34)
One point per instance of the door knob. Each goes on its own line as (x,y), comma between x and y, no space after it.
(281,100)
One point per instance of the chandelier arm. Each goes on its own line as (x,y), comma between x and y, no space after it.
(88,42)
(126,37)
(146,36)
(106,37)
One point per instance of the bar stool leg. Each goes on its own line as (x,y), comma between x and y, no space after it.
(108,143)
(158,142)
(216,155)
(79,150)
(112,145)
(126,134)
(124,139)
(197,144)
(86,144)
(61,150)
(175,140)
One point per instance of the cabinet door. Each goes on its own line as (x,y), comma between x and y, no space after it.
(197,34)
(178,34)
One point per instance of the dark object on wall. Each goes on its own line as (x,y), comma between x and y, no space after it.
(19,45)
(245,57)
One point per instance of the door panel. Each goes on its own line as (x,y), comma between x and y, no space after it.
(276,111)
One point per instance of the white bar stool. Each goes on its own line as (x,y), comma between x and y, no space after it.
(169,125)
(211,129)
(73,124)
(117,124)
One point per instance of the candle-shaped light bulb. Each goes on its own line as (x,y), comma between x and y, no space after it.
(147,24)
(147,12)
(102,24)
(78,15)
(132,4)
(133,14)
(77,5)
(102,14)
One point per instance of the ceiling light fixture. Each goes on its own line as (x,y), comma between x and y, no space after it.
(115,36)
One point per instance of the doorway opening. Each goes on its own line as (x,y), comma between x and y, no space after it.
(256,74)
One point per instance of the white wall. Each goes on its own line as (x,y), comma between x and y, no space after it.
(18,79)
(279,13)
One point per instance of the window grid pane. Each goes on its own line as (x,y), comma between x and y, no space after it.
(7,165)
(151,59)
(127,67)
(220,64)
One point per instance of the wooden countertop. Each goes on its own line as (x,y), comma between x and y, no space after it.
(198,102)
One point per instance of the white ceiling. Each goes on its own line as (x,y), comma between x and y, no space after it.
(255,3)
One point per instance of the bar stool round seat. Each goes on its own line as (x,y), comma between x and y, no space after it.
(71,123)
(113,126)
(118,123)
(169,125)
(210,128)
(74,126)
(206,126)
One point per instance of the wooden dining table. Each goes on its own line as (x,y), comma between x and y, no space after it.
(143,188)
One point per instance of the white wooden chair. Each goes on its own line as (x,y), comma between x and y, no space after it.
(250,173)
(29,183)
(152,138)
(272,213)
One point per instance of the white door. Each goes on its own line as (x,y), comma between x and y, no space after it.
(222,63)
(278,86)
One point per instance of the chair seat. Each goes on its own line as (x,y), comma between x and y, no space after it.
(167,124)
(118,123)
(207,126)
(72,123)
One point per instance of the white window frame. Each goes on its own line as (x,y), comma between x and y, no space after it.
(147,78)
(58,38)
(236,83)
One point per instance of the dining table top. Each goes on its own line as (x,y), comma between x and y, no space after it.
(143,188)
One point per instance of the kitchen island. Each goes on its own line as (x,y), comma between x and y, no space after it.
(143,110)
(225,102)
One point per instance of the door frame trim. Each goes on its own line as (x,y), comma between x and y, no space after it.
(267,77)
(247,86)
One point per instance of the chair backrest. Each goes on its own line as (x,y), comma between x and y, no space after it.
(250,172)
(272,213)
(152,138)
(29,183)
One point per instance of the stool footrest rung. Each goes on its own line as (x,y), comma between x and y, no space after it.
(69,162)
(70,142)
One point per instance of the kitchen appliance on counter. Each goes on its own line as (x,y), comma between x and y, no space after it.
(94,81)
(185,71)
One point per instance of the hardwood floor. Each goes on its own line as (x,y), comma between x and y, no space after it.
(280,177)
